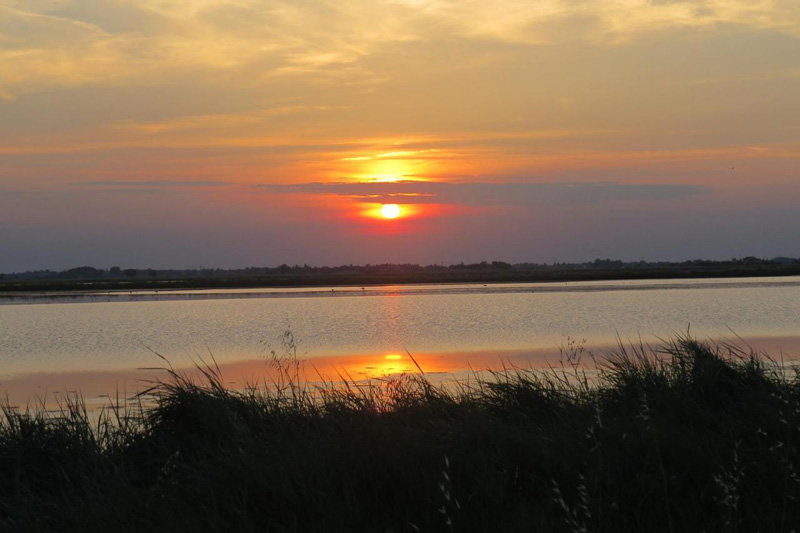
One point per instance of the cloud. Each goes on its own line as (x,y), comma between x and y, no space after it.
(78,42)
(218,121)
(72,43)
(483,194)
(607,22)
(153,184)
(474,194)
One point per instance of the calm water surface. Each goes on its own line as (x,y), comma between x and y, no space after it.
(89,332)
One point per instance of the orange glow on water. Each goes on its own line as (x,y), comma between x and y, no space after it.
(96,385)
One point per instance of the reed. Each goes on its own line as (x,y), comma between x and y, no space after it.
(685,436)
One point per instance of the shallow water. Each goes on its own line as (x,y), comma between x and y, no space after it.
(450,326)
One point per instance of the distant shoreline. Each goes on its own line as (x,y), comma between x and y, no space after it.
(410,289)
(300,280)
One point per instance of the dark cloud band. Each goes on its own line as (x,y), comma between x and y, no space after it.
(495,193)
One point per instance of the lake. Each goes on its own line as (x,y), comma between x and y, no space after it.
(95,341)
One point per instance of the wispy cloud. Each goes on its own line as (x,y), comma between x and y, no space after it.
(218,121)
(608,22)
(429,192)
(73,42)
(483,194)
(152,184)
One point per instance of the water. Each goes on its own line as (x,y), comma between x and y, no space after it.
(91,332)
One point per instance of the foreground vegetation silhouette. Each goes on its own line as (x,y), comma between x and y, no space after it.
(683,437)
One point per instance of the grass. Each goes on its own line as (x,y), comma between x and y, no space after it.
(684,437)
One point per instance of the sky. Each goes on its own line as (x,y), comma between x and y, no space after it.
(212,133)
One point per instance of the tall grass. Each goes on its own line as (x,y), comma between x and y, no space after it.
(683,437)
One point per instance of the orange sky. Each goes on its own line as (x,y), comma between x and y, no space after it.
(235,133)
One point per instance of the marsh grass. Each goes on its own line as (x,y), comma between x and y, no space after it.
(682,437)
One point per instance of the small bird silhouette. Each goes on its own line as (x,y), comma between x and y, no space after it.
(732,168)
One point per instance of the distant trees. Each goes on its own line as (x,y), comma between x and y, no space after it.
(749,263)
(483,265)
(608,263)
(84,272)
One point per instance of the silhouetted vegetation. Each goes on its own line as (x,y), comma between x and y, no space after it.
(690,437)
(116,278)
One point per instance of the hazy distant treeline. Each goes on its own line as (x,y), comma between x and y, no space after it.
(116,272)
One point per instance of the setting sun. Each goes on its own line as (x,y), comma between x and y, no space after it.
(390,211)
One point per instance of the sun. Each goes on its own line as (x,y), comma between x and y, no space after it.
(390,211)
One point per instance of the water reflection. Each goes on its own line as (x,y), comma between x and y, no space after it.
(165,295)
(77,337)
(47,388)
(95,387)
